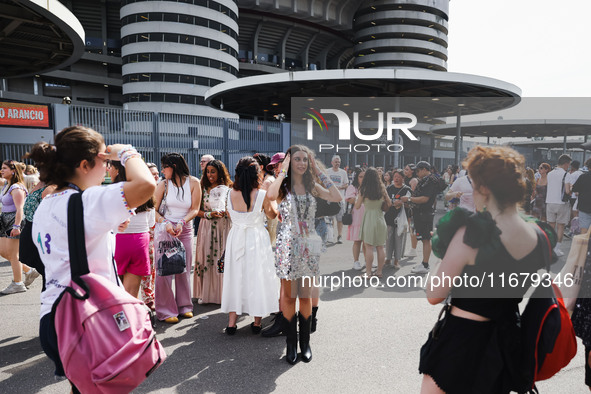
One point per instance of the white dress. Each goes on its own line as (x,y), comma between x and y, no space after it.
(250,283)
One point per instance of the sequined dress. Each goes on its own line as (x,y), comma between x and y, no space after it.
(289,262)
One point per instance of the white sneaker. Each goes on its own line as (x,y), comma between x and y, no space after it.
(412,253)
(558,252)
(30,277)
(419,269)
(357,266)
(14,288)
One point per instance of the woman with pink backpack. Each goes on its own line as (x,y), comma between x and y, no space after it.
(76,163)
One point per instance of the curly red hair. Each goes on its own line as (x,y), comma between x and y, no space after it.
(501,170)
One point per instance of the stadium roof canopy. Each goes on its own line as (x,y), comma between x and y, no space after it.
(37,36)
(271,94)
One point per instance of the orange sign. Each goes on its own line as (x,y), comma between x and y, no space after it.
(21,114)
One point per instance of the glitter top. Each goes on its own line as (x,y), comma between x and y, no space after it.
(290,262)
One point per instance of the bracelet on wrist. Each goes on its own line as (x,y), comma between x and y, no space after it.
(16,226)
(124,149)
(182,222)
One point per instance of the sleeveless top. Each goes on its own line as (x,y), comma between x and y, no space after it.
(495,298)
(8,201)
(178,200)
(249,219)
(32,202)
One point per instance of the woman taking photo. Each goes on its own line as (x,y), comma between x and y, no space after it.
(132,245)
(372,194)
(250,282)
(356,214)
(473,349)
(177,203)
(13,201)
(540,191)
(298,246)
(212,233)
(77,163)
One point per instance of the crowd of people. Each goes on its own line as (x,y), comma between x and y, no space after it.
(258,236)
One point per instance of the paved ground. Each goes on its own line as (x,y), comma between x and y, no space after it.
(368,340)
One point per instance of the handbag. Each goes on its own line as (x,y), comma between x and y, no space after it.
(170,254)
(325,208)
(573,269)
(313,245)
(401,222)
(163,208)
(348,215)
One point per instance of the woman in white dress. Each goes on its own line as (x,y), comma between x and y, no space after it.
(250,282)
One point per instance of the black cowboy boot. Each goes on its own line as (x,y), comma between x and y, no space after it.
(291,331)
(305,325)
(276,329)
(314,320)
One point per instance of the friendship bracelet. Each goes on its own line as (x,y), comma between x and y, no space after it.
(207,215)
(325,181)
(16,226)
(182,222)
(129,154)
(125,149)
(283,171)
(130,157)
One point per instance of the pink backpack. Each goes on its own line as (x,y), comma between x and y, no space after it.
(105,339)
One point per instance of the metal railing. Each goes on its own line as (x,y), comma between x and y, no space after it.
(155,134)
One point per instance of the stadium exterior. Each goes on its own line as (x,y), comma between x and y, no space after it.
(247,58)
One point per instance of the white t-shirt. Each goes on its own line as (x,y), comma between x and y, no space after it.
(105,208)
(339,178)
(572,179)
(141,222)
(462,184)
(554,194)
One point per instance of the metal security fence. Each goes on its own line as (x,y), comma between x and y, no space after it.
(155,134)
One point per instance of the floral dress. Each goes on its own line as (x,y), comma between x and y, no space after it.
(211,243)
(297,214)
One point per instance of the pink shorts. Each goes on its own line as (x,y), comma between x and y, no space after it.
(132,254)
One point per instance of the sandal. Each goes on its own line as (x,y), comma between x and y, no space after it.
(255,329)
(231,330)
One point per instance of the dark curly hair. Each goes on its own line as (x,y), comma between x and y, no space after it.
(223,176)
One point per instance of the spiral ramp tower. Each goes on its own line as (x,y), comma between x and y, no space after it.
(173,52)
(398,33)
